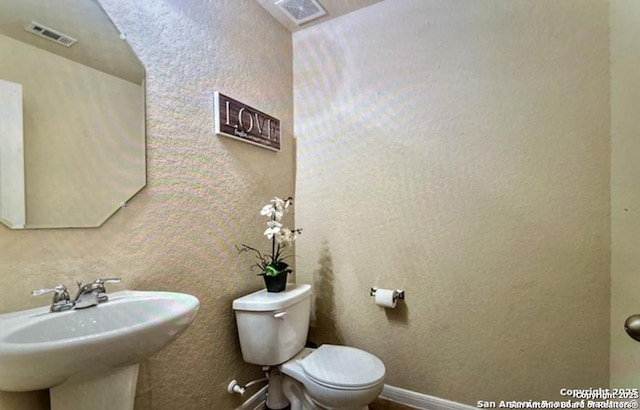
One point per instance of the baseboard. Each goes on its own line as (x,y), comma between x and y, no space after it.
(255,402)
(419,400)
(396,394)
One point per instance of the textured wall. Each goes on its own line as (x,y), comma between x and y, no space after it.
(625,189)
(203,195)
(460,150)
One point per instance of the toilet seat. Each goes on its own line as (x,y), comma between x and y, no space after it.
(343,367)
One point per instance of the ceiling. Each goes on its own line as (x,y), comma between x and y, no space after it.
(334,8)
(99,44)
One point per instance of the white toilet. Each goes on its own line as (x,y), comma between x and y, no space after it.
(273,331)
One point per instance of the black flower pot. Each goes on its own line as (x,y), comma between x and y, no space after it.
(276,283)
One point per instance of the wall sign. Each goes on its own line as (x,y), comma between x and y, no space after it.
(239,121)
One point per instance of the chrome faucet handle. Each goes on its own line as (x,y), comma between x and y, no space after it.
(108,280)
(97,284)
(60,293)
(61,299)
(102,296)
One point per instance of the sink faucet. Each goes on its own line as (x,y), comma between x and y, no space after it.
(88,295)
(92,293)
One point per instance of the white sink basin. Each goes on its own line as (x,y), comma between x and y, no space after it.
(41,350)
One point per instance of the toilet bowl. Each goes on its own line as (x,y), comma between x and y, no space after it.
(273,329)
(336,376)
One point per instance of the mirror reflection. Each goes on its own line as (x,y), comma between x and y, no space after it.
(76,154)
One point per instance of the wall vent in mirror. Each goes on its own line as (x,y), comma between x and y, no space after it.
(50,34)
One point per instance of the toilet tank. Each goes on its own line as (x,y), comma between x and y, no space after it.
(272,326)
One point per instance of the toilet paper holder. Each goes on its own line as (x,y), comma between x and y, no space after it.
(397,294)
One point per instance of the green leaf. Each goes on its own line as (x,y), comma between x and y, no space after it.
(270,271)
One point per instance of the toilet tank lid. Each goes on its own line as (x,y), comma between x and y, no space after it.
(263,301)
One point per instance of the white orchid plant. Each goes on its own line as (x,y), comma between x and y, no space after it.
(273,264)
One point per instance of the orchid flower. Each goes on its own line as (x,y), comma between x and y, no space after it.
(278,203)
(274,228)
(286,237)
(271,211)
(279,236)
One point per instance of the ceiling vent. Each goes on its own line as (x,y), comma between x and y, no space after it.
(50,34)
(301,11)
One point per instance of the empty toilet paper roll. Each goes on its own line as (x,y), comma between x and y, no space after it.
(385,298)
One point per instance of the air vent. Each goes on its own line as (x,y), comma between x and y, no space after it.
(50,34)
(301,11)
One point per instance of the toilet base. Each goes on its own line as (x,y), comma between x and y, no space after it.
(297,395)
(276,399)
(269,408)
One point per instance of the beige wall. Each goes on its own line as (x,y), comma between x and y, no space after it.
(460,150)
(203,195)
(83,131)
(625,189)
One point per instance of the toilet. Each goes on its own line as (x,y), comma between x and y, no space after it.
(273,329)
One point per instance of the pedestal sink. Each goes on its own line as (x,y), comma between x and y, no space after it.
(89,357)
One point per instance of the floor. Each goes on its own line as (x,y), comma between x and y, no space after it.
(381,404)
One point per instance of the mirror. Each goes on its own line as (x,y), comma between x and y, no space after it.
(77,155)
